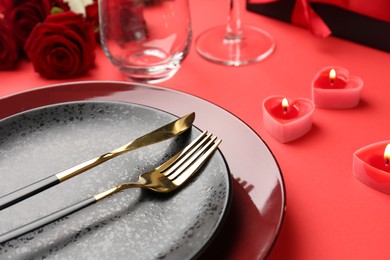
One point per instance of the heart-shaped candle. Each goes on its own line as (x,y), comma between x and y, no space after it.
(334,88)
(371,165)
(287,120)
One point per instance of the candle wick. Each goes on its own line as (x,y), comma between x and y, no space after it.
(332,81)
(284,109)
(387,161)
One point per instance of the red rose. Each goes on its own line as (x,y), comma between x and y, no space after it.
(3,6)
(23,15)
(9,55)
(92,12)
(63,46)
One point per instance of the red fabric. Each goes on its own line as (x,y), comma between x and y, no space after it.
(304,15)
(378,9)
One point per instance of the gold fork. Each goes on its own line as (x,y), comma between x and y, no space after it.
(165,178)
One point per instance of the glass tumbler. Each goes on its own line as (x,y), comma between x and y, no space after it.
(147,40)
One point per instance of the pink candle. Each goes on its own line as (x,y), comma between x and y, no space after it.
(371,165)
(334,88)
(287,120)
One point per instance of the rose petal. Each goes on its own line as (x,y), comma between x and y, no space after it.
(62,46)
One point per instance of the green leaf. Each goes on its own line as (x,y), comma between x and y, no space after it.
(56,10)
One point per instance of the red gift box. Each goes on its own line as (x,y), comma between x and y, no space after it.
(365,22)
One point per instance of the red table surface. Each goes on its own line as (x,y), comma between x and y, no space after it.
(330,214)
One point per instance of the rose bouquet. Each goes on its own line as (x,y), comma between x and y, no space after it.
(57,36)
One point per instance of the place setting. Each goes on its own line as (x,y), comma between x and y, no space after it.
(60,135)
(178,129)
(57,135)
(84,163)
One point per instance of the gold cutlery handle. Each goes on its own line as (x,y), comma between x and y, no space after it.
(82,167)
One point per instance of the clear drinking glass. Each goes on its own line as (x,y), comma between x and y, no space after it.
(235,44)
(147,40)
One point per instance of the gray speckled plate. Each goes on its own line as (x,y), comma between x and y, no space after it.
(134,224)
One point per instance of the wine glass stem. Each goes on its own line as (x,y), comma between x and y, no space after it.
(233,30)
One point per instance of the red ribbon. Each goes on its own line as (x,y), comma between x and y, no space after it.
(304,15)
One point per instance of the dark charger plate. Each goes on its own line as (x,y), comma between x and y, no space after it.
(134,224)
(259,198)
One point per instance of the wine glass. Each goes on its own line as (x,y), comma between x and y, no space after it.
(234,44)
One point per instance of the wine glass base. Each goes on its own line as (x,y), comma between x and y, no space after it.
(255,45)
(149,65)
(148,79)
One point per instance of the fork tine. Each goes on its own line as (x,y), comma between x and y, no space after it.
(171,162)
(195,162)
(186,153)
(183,163)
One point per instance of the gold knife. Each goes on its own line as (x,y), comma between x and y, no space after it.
(163,133)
